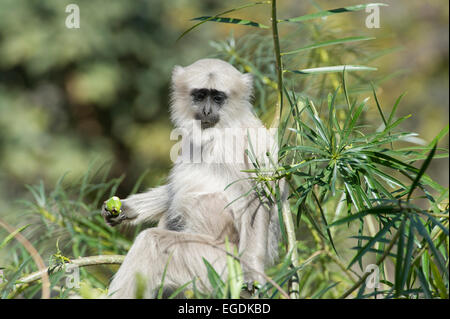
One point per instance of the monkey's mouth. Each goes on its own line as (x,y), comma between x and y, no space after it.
(208,124)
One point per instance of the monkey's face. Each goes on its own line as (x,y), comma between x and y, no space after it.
(211,91)
(207,104)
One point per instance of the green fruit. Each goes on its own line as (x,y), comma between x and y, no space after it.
(113,205)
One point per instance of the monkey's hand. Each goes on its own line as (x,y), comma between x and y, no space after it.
(112,211)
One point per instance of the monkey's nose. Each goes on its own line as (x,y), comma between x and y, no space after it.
(206,111)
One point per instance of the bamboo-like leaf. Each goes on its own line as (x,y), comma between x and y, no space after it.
(231,20)
(439,282)
(361,214)
(248,5)
(421,172)
(163,277)
(371,242)
(394,109)
(324,219)
(424,285)
(280,213)
(328,43)
(214,279)
(321,292)
(179,290)
(11,235)
(408,257)
(326,13)
(391,162)
(440,135)
(354,117)
(332,69)
(399,266)
(436,222)
(306,149)
(424,233)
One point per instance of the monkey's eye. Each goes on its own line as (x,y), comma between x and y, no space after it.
(199,95)
(219,97)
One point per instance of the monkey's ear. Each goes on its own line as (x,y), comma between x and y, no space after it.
(176,72)
(177,78)
(247,78)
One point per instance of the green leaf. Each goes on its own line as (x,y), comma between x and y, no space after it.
(320,293)
(161,287)
(332,69)
(280,215)
(324,219)
(179,290)
(231,20)
(326,13)
(248,5)
(421,172)
(423,284)
(214,279)
(408,257)
(361,214)
(397,102)
(399,267)
(371,242)
(11,235)
(424,233)
(328,43)
(439,282)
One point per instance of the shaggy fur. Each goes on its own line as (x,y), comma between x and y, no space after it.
(193,207)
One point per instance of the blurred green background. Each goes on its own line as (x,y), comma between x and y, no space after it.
(72,96)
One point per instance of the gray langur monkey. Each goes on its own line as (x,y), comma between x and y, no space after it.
(196,210)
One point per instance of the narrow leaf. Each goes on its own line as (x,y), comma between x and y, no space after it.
(325,13)
(332,69)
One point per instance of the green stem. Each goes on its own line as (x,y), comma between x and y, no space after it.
(278,65)
(285,208)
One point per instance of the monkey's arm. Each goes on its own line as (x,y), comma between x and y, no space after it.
(139,208)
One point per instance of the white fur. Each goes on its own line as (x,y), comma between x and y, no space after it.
(195,198)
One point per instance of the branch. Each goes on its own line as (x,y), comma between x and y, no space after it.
(80,262)
(285,208)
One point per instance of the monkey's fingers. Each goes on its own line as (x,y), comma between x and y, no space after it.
(112,215)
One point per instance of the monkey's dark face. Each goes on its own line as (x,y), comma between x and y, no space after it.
(207,104)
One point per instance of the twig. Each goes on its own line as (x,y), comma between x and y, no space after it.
(80,262)
(36,257)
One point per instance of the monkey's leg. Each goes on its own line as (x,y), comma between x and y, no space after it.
(253,242)
(139,208)
(183,254)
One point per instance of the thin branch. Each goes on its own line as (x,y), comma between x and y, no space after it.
(279,66)
(285,207)
(80,262)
